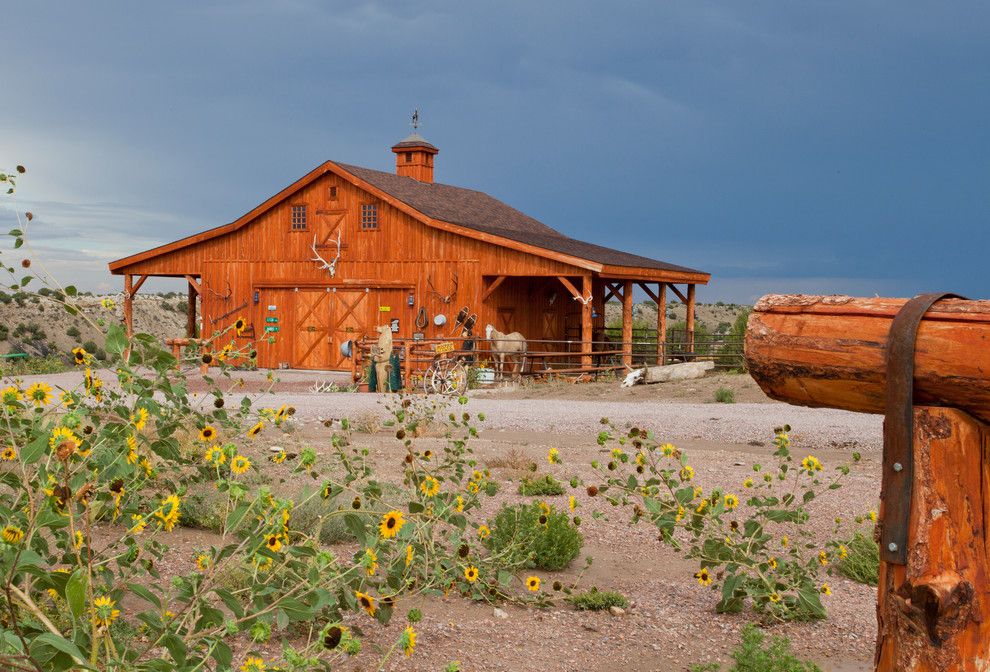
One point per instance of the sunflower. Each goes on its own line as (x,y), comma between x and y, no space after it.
(9,454)
(748,483)
(774,597)
(107,303)
(409,554)
(471,573)
(408,640)
(473,487)
(459,505)
(240,324)
(215,455)
(208,433)
(139,523)
(391,523)
(332,637)
(825,589)
(476,475)
(811,464)
(843,552)
(553,457)
(78,540)
(274,543)
(773,563)
(254,430)
(822,558)
(139,418)
(533,584)
(39,393)
(11,395)
(430,486)
(240,464)
(370,561)
(67,398)
(731,502)
(278,457)
(263,562)
(254,664)
(79,356)
(64,435)
(202,562)
(687,473)
(132,456)
(785,540)
(12,534)
(168,512)
(104,611)
(703,577)
(872,516)
(667,449)
(484,532)
(366,601)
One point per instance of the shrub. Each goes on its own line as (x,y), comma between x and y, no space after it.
(90,346)
(4,333)
(862,561)
(517,531)
(548,486)
(596,600)
(724,395)
(753,656)
(73,332)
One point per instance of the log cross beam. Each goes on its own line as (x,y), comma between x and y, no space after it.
(195,289)
(492,286)
(678,293)
(614,290)
(585,299)
(864,355)
(660,298)
(194,284)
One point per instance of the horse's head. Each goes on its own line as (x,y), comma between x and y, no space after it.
(488,331)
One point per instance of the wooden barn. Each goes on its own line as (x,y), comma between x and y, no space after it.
(344,249)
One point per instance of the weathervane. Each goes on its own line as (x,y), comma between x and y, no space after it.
(415,120)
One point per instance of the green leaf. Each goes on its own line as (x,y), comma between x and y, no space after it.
(144,594)
(223,655)
(356,527)
(116,341)
(45,648)
(504,578)
(232,602)
(416,507)
(15,233)
(71,290)
(176,647)
(75,593)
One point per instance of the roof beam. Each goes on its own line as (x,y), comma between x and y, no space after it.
(492,287)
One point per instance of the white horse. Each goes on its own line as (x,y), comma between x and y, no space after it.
(502,345)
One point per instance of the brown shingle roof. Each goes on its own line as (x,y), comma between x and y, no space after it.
(481,212)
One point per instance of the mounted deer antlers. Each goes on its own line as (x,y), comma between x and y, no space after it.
(324,264)
(443,299)
(584,299)
(221,297)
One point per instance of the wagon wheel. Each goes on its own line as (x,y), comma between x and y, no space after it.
(445,376)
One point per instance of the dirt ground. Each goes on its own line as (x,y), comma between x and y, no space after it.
(671,623)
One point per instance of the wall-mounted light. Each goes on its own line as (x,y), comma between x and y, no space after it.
(411,301)
(594,314)
(257,298)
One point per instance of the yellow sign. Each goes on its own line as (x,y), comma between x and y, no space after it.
(384,309)
(441,348)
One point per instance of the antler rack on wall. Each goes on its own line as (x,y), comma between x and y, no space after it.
(324,264)
(444,298)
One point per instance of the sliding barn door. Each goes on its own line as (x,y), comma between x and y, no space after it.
(312,329)
(349,321)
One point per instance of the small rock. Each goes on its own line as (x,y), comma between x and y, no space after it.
(616,611)
(500,613)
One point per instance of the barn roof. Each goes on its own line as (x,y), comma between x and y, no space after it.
(467,208)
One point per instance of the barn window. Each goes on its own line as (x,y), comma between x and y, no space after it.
(369,216)
(298,217)
(333,193)
(408,157)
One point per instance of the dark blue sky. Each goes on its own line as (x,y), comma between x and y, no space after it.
(826,147)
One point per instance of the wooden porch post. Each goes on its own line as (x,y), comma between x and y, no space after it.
(661,322)
(129,305)
(627,296)
(191,312)
(586,308)
(690,318)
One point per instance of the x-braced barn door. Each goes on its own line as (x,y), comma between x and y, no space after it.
(349,322)
(312,325)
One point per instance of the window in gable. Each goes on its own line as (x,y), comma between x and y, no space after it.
(369,216)
(298,218)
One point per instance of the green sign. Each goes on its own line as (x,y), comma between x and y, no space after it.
(270,329)
(271,319)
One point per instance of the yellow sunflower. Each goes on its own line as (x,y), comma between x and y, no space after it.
(391,523)
(274,543)
(139,523)
(278,457)
(40,394)
(240,464)
(366,601)
(168,512)
(822,558)
(459,505)
(825,589)
(208,433)
(775,597)
(139,418)
(703,577)
(430,486)
(9,454)
(811,464)
(553,457)
(215,455)
(12,534)
(409,554)
(484,532)
(571,503)
(202,562)
(104,611)
(79,356)
(254,664)
(11,395)
(63,435)
(533,584)
(132,456)
(370,561)
(687,473)
(731,502)
(471,573)
(240,324)
(254,430)
(408,641)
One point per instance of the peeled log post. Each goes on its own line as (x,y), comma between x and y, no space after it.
(829,351)
(933,612)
